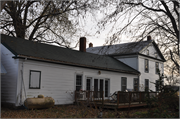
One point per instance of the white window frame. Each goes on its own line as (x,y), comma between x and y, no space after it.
(156,67)
(81,81)
(122,84)
(30,79)
(146,71)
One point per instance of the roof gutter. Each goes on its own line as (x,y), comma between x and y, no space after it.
(73,64)
(138,54)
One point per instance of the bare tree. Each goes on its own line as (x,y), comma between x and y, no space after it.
(3,4)
(158,18)
(44,21)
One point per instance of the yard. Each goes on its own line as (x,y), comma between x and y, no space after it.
(71,111)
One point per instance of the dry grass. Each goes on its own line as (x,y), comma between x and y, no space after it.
(70,111)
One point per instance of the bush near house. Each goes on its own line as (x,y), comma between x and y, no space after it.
(166,103)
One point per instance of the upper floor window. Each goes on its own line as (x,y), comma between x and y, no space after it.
(34,79)
(78,82)
(146,65)
(157,68)
(123,83)
(147,52)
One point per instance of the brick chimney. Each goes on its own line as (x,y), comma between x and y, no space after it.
(82,45)
(148,38)
(90,45)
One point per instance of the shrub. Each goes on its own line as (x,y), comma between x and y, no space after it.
(166,103)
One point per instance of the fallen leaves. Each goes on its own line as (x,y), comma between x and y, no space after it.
(66,111)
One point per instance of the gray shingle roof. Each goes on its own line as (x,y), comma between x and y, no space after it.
(125,48)
(51,53)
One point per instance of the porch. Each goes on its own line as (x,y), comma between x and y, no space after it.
(117,100)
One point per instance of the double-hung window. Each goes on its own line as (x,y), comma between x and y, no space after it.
(157,67)
(146,65)
(78,82)
(157,85)
(34,79)
(123,83)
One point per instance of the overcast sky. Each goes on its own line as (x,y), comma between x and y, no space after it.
(91,28)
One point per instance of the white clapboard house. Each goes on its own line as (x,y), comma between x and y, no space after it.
(143,56)
(34,68)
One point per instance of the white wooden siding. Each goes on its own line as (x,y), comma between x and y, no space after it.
(9,80)
(151,75)
(152,51)
(58,81)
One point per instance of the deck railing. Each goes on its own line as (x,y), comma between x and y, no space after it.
(121,97)
(89,96)
(130,97)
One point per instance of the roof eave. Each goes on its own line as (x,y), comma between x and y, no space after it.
(163,60)
(73,64)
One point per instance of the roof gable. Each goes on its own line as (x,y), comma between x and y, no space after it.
(152,52)
(119,49)
(126,49)
(45,52)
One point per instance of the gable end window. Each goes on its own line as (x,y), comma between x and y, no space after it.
(34,79)
(146,64)
(78,82)
(157,68)
(123,83)
(147,52)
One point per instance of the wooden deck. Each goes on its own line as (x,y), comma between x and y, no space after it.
(120,100)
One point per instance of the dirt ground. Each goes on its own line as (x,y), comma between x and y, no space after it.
(72,111)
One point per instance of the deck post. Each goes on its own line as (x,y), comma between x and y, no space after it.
(118,99)
(75,96)
(103,99)
(140,99)
(130,95)
(88,95)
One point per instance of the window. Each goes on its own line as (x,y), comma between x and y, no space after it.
(147,52)
(157,67)
(155,54)
(136,84)
(146,65)
(146,85)
(35,79)
(88,84)
(78,82)
(157,85)
(123,83)
(106,87)
(96,88)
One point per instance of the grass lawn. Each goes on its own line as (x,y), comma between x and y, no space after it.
(71,111)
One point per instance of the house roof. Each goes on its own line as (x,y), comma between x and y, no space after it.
(44,52)
(124,49)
